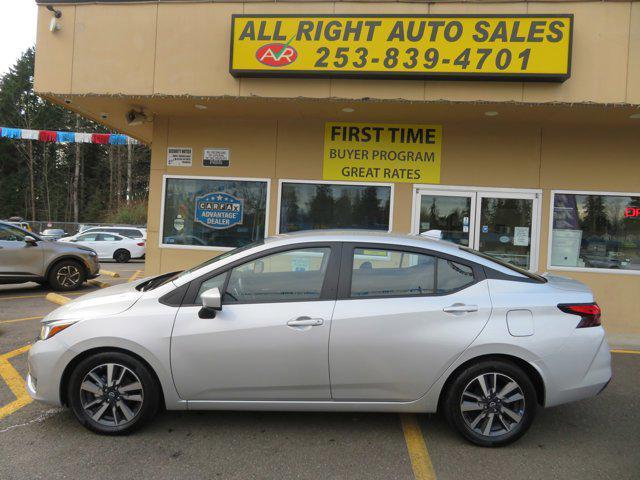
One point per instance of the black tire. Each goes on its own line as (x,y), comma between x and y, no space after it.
(149,392)
(66,275)
(492,406)
(122,256)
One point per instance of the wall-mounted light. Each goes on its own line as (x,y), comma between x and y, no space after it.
(491,113)
(54,25)
(135,117)
(200,107)
(348,110)
(635,116)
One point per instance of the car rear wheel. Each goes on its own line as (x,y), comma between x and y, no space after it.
(492,403)
(122,256)
(112,393)
(66,275)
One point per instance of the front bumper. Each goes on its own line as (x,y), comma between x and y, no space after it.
(47,360)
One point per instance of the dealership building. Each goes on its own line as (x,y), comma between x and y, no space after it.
(511,127)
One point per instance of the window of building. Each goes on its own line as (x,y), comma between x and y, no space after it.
(378,273)
(285,276)
(595,231)
(214,212)
(311,206)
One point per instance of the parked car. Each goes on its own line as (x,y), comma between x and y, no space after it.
(25,257)
(131,232)
(110,245)
(417,325)
(52,234)
(20,224)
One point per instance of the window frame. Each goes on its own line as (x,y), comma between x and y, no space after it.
(346,269)
(166,177)
(333,182)
(613,271)
(329,286)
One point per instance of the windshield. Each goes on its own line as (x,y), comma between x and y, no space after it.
(160,280)
(502,263)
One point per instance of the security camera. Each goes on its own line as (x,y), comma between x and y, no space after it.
(135,117)
(54,26)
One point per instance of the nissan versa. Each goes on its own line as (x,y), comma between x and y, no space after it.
(329,321)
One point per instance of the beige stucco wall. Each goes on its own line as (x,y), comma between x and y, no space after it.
(183,49)
(489,155)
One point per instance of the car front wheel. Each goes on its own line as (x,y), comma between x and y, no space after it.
(112,393)
(492,403)
(66,275)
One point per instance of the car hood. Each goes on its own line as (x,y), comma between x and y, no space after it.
(104,302)
(68,246)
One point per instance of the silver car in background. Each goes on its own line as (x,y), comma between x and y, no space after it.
(26,257)
(328,321)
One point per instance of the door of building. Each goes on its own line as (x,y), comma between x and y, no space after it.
(503,223)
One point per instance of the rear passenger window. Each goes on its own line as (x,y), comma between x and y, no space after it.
(380,273)
(452,276)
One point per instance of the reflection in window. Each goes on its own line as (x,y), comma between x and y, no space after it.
(596,231)
(307,206)
(215,213)
(285,276)
(449,214)
(380,273)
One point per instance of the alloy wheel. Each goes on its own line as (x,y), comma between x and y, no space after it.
(111,395)
(68,276)
(492,404)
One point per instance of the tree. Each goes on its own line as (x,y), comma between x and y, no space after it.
(61,182)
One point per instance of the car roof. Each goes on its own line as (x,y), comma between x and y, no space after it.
(365,236)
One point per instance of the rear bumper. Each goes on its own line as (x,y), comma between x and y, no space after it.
(577,373)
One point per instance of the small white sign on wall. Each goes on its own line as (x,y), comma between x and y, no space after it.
(179,156)
(521,236)
(216,157)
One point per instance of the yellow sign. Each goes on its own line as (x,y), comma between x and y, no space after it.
(518,47)
(375,152)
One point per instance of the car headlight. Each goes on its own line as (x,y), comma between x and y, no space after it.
(50,329)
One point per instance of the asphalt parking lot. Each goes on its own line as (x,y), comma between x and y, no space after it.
(593,439)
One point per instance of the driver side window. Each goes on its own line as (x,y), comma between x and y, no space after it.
(10,234)
(286,276)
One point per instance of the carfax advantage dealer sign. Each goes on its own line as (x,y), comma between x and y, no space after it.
(505,47)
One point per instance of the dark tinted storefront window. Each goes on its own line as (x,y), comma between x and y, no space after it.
(214,213)
(310,206)
(596,231)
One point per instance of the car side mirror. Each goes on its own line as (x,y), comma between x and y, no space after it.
(211,303)
(29,240)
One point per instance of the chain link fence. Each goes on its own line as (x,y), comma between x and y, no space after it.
(69,228)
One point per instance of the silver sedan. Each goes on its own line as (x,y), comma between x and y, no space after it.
(328,321)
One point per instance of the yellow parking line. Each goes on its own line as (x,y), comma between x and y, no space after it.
(56,298)
(24,319)
(634,352)
(98,283)
(38,296)
(109,273)
(418,453)
(134,276)
(14,381)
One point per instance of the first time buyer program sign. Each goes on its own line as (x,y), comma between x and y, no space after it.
(505,47)
(375,152)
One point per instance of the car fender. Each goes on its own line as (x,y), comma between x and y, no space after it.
(172,400)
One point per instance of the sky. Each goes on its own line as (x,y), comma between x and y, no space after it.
(18,30)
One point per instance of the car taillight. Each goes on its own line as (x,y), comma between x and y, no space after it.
(140,244)
(589,313)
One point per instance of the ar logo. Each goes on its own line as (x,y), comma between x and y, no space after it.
(277,54)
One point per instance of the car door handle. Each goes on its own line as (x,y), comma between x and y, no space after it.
(460,308)
(305,322)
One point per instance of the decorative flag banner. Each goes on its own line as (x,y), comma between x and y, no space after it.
(67,137)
